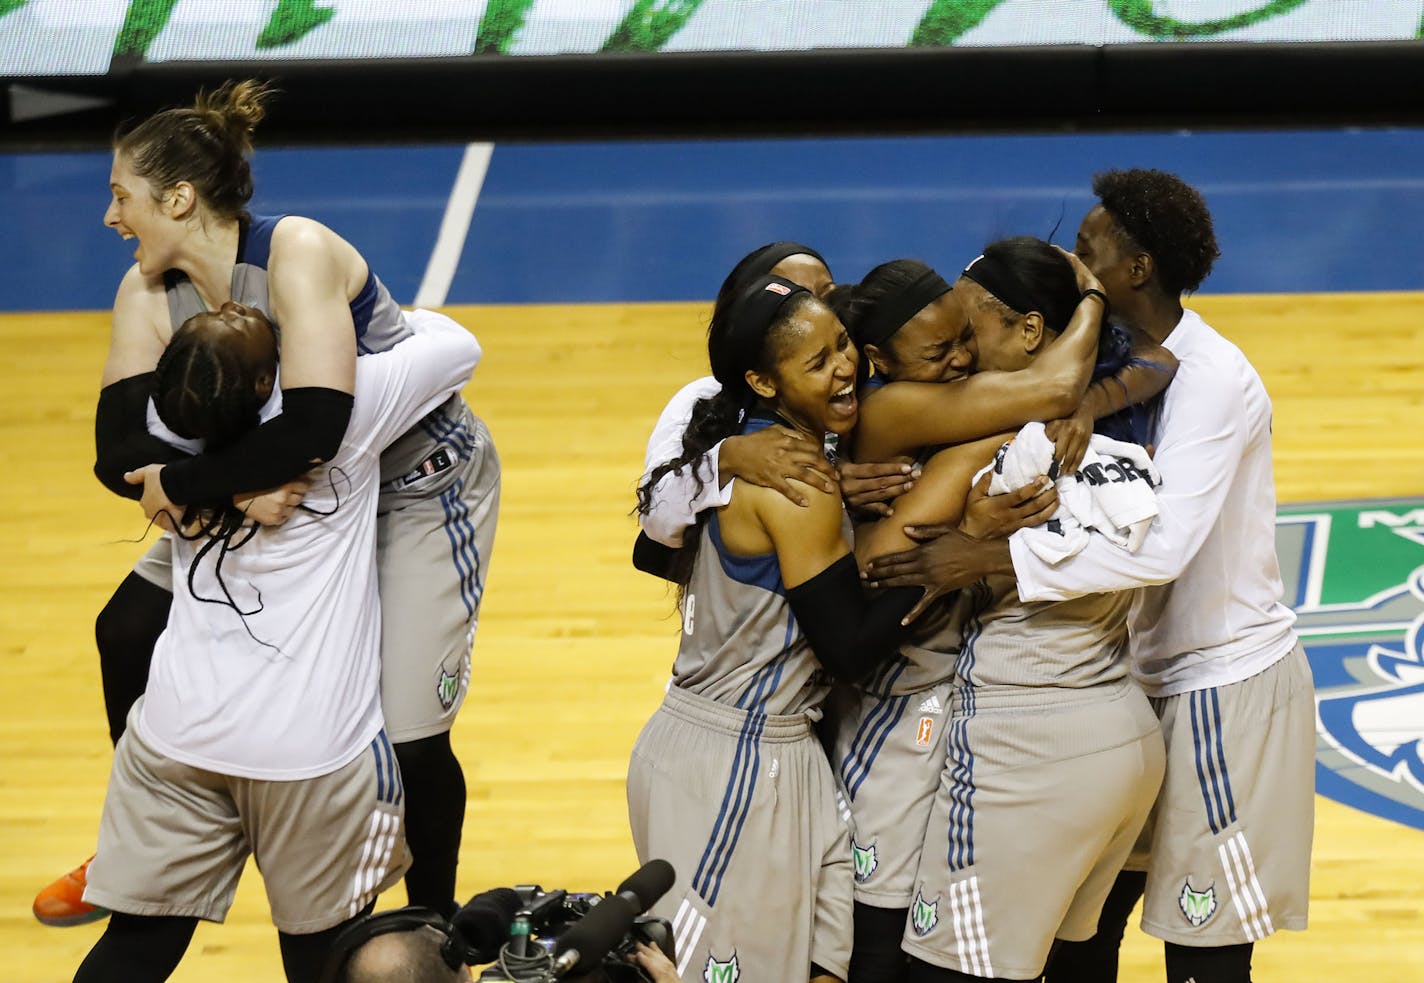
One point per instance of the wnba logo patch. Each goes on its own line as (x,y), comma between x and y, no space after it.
(925,732)
(1354,573)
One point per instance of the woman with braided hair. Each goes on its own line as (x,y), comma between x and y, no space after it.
(261,730)
(728,780)
(180,186)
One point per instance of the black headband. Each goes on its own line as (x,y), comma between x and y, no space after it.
(996,277)
(751,315)
(890,315)
(760,262)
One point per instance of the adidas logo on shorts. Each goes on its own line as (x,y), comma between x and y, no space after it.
(932,705)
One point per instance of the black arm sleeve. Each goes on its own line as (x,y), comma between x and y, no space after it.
(850,633)
(651,556)
(310,427)
(121,438)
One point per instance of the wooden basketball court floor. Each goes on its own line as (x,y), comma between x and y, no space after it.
(574,645)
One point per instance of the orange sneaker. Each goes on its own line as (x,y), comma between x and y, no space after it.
(62,903)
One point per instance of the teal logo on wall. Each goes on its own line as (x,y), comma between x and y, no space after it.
(1354,573)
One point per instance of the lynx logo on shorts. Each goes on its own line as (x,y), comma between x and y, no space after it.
(447,689)
(1354,573)
(727,972)
(866,861)
(925,732)
(1197,906)
(924,916)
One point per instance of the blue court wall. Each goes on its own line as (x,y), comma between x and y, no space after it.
(1338,210)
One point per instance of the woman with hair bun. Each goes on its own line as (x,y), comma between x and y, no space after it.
(180,186)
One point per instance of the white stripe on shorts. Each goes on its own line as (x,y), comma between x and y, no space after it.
(1246,890)
(968,912)
(375,858)
(687,933)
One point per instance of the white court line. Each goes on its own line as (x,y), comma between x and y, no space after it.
(455,226)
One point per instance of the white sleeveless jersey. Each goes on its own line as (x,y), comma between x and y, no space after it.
(290,689)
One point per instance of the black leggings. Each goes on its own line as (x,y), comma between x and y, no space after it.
(125,632)
(434,813)
(1095,960)
(876,956)
(148,948)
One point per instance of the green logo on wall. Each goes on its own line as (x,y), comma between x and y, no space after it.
(1354,573)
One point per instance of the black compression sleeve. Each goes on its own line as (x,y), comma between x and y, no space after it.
(850,633)
(651,556)
(121,438)
(309,428)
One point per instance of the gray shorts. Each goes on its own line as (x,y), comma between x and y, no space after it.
(1230,835)
(173,838)
(744,807)
(1038,807)
(432,558)
(888,753)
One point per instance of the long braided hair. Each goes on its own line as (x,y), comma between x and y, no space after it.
(208,386)
(743,336)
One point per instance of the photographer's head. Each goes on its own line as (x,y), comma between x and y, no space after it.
(411,956)
(409,945)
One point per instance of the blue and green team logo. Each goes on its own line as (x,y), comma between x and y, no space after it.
(721,972)
(1197,906)
(1354,573)
(924,915)
(866,861)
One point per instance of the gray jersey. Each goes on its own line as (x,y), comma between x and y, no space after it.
(1064,645)
(930,655)
(415,467)
(741,645)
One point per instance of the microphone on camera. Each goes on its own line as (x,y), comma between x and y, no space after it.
(591,938)
(483,924)
(643,888)
(605,925)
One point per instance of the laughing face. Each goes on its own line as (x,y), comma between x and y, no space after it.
(137,211)
(812,382)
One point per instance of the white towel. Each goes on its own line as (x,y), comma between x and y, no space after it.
(1111,493)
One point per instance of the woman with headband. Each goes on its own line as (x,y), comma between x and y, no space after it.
(915,332)
(771,457)
(1053,759)
(887,735)
(728,780)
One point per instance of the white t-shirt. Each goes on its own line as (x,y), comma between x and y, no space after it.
(299,696)
(1215,615)
(676,500)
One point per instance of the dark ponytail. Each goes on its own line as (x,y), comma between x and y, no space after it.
(739,339)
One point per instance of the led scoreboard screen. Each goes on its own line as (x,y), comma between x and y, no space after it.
(94,37)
